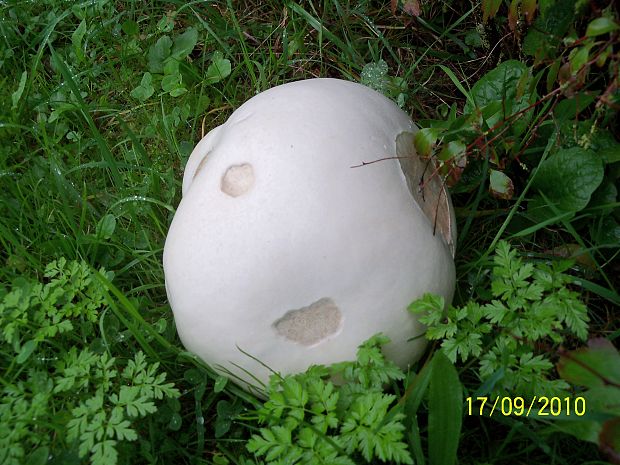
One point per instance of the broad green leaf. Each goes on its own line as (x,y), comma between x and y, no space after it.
(523,84)
(466,126)
(200,106)
(171,82)
(221,426)
(194,376)
(539,211)
(569,177)
(489,9)
(495,85)
(529,9)
(606,146)
(513,14)
(106,226)
(184,43)
(602,58)
(569,109)
(130,27)
(543,39)
(582,429)
(610,438)
(591,366)
(144,91)
(425,139)
(544,5)
(604,399)
(454,150)
(606,231)
(500,185)
(178,91)
(600,26)
(219,68)
(226,413)
(552,74)
(40,456)
(579,57)
(26,351)
(15,96)
(605,196)
(491,113)
(166,24)
(597,367)
(76,40)
(473,38)
(171,66)
(220,383)
(158,53)
(175,423)
(445,411)
(496,94)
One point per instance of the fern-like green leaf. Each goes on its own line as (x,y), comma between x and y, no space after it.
(310,420)
(530,304)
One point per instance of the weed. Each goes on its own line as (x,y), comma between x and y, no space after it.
(68,399)
(529,310)
(100,105)
(303,411)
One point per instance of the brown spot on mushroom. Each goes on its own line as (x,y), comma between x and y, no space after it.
(312,324)
(237,180)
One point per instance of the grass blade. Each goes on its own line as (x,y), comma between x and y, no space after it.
(321,29)
(103,146)
(417,384)
(455,80)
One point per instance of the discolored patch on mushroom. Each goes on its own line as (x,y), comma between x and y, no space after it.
(312,324)
(237,180)
(200,165)
(427,188)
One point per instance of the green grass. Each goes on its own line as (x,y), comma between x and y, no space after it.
(88,172)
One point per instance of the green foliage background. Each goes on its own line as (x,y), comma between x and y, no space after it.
(101,103)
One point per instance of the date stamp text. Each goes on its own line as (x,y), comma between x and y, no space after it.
(518,406)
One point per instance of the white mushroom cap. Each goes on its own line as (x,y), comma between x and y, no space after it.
(282,249)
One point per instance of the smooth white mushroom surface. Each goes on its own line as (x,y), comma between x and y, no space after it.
(282,248)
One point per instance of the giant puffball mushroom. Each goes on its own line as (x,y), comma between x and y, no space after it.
(284,252)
